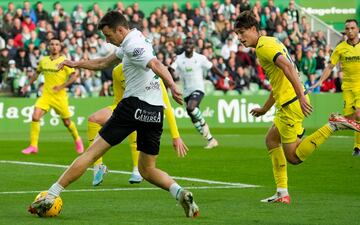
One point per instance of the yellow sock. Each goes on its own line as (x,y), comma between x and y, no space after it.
(134,151)
(357,140)
(74,132)
(279,167)
(34,133)
(310,143)
(92,131)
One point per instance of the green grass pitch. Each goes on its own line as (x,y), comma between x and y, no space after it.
(325,189)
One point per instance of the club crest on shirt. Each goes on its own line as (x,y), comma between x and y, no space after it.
(138,51)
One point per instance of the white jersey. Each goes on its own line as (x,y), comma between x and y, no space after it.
(191,71)
(136,52)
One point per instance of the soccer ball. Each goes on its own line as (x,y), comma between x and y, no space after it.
(54,210)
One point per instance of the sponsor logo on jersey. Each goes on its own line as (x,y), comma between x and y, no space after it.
(138,51)
(352,58)
(147,116)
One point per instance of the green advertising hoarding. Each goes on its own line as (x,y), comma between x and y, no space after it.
(219,112)
(333,12)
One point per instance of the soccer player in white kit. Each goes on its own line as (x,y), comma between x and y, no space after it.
(141,110)
(190,66)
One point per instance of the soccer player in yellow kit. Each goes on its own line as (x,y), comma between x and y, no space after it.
(283,139)
(98,119)
(53,96)
(347,53)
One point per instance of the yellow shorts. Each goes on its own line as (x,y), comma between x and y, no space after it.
(351,101)
(112,107)
(288,120)
(60,105)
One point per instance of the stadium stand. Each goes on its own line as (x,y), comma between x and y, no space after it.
(26,28)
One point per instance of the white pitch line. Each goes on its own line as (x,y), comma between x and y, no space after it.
(126,172)
(121,189)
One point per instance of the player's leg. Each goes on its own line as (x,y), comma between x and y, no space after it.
(148,142)
(40,109)
(61,107)
(273,144)
(161,179)
(113,132)
(95,122)
(135,177)
(357,134)
(298,152)
(70,125)
(192,107)
(352,111)
(75,171)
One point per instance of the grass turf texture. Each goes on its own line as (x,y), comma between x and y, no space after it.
(324,189)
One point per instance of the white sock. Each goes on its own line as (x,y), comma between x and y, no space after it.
(333,127)
(136,170)
(175,190)
(282,191)
(97,168)
(55,189)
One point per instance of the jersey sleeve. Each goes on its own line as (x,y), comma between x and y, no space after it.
(69,70)
(269,54)
(335,56)
(39,68)
(174,65)
(140,54)
(205,63)
(119,52)
(169,114)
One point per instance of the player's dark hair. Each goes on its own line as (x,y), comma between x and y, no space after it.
(246,20)
(113,19)
(352,20)
(190,39)
(55,38)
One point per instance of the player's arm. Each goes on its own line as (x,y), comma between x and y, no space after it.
(326,73)
(93,64)
(291,74)
(268,104)
(161,70)
(217,72)
(178,143)
(71,80)
(32,80)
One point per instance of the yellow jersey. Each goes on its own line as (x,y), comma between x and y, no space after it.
(119,88)
(53,76)
(267,50)
(349,58)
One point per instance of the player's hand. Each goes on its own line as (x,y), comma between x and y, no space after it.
(257,112)
(67,63)
(24,89)
(306,108)
(176,94)
(57,88)
(317,84)
(180,147)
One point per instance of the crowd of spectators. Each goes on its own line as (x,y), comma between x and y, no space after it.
(25,32)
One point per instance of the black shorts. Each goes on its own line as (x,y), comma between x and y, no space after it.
(195,96)
(130,115)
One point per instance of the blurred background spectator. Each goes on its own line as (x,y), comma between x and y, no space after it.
(26,30)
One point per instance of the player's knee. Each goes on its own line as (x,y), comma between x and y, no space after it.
(190,109)
(92,119)
(35,119)
(294,160)
(357,115)
(67,122)
(271,144)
